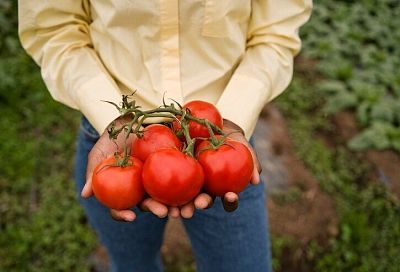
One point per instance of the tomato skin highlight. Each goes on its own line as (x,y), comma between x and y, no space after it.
(202,110)
(172,177)
(228,168)
(155,137)
(118,187)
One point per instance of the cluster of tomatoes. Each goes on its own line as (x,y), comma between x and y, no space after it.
(161,166)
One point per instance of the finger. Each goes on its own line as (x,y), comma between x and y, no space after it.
(155,207)
(255,178)
(256,162)
(94,158)
(203,201)
(230,202)
(174,212)
(187,210)
(87,190)
(123,215)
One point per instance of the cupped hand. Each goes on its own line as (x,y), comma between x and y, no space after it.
(104,148)
(236,133)
(230,200)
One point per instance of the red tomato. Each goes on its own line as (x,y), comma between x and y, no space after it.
(228,168)
(118,187)
(154,138)
(203,110)
(172,177)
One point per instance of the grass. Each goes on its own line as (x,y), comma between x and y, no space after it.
(42,226)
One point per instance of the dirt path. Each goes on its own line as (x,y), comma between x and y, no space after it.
(385,163)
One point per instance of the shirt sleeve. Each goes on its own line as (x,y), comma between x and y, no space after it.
(56,35)
(267,65)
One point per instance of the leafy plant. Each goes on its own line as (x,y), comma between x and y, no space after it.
(356,45)
(369,229)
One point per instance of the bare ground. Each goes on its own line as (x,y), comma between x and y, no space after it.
(385,164)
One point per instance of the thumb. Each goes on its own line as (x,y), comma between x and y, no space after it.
(87,190)
(94,158)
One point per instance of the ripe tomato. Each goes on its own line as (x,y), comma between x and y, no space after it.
(172,177)
(155,137)
(228,168)
(118,187)
(204,110)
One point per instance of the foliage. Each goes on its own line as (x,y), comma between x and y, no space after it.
(369,214)
(356,45)
(42,227)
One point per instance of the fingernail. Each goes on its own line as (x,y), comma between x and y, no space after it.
(83,192)
(187,216)
(230,198)
(256,177)
(129,217)
(203,204)
(211,203)
(162,214)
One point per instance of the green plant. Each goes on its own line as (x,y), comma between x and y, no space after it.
(369,229)
(356,45)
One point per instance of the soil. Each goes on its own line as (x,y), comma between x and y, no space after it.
(311,214)
(385,164)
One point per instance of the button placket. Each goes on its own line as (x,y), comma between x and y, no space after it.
(169,45)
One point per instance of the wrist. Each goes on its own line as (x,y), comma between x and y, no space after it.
(118,122)
(230,126)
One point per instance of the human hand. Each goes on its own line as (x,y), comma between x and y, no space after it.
(103,148)
(236,133)
(230,200)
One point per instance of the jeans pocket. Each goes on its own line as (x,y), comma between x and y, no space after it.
(88,131)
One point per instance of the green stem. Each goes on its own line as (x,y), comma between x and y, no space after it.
(189,141)
(164,112)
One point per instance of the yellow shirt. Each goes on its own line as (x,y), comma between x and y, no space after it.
(236,54)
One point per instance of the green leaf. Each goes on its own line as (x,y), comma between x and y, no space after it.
(383,111)
(331,86)
(363,112)
(375,136)
(340,101)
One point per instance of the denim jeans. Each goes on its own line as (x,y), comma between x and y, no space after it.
(221,241)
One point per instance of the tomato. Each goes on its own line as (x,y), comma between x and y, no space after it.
(155,137)
(228,168)
(203,110)
(118,187)
(172,177)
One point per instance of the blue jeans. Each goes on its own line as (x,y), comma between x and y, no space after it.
(221,241)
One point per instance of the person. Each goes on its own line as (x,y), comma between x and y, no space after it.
(237,55)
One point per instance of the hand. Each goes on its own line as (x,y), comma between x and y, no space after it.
(230,200)
(235,132)
(100,151)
